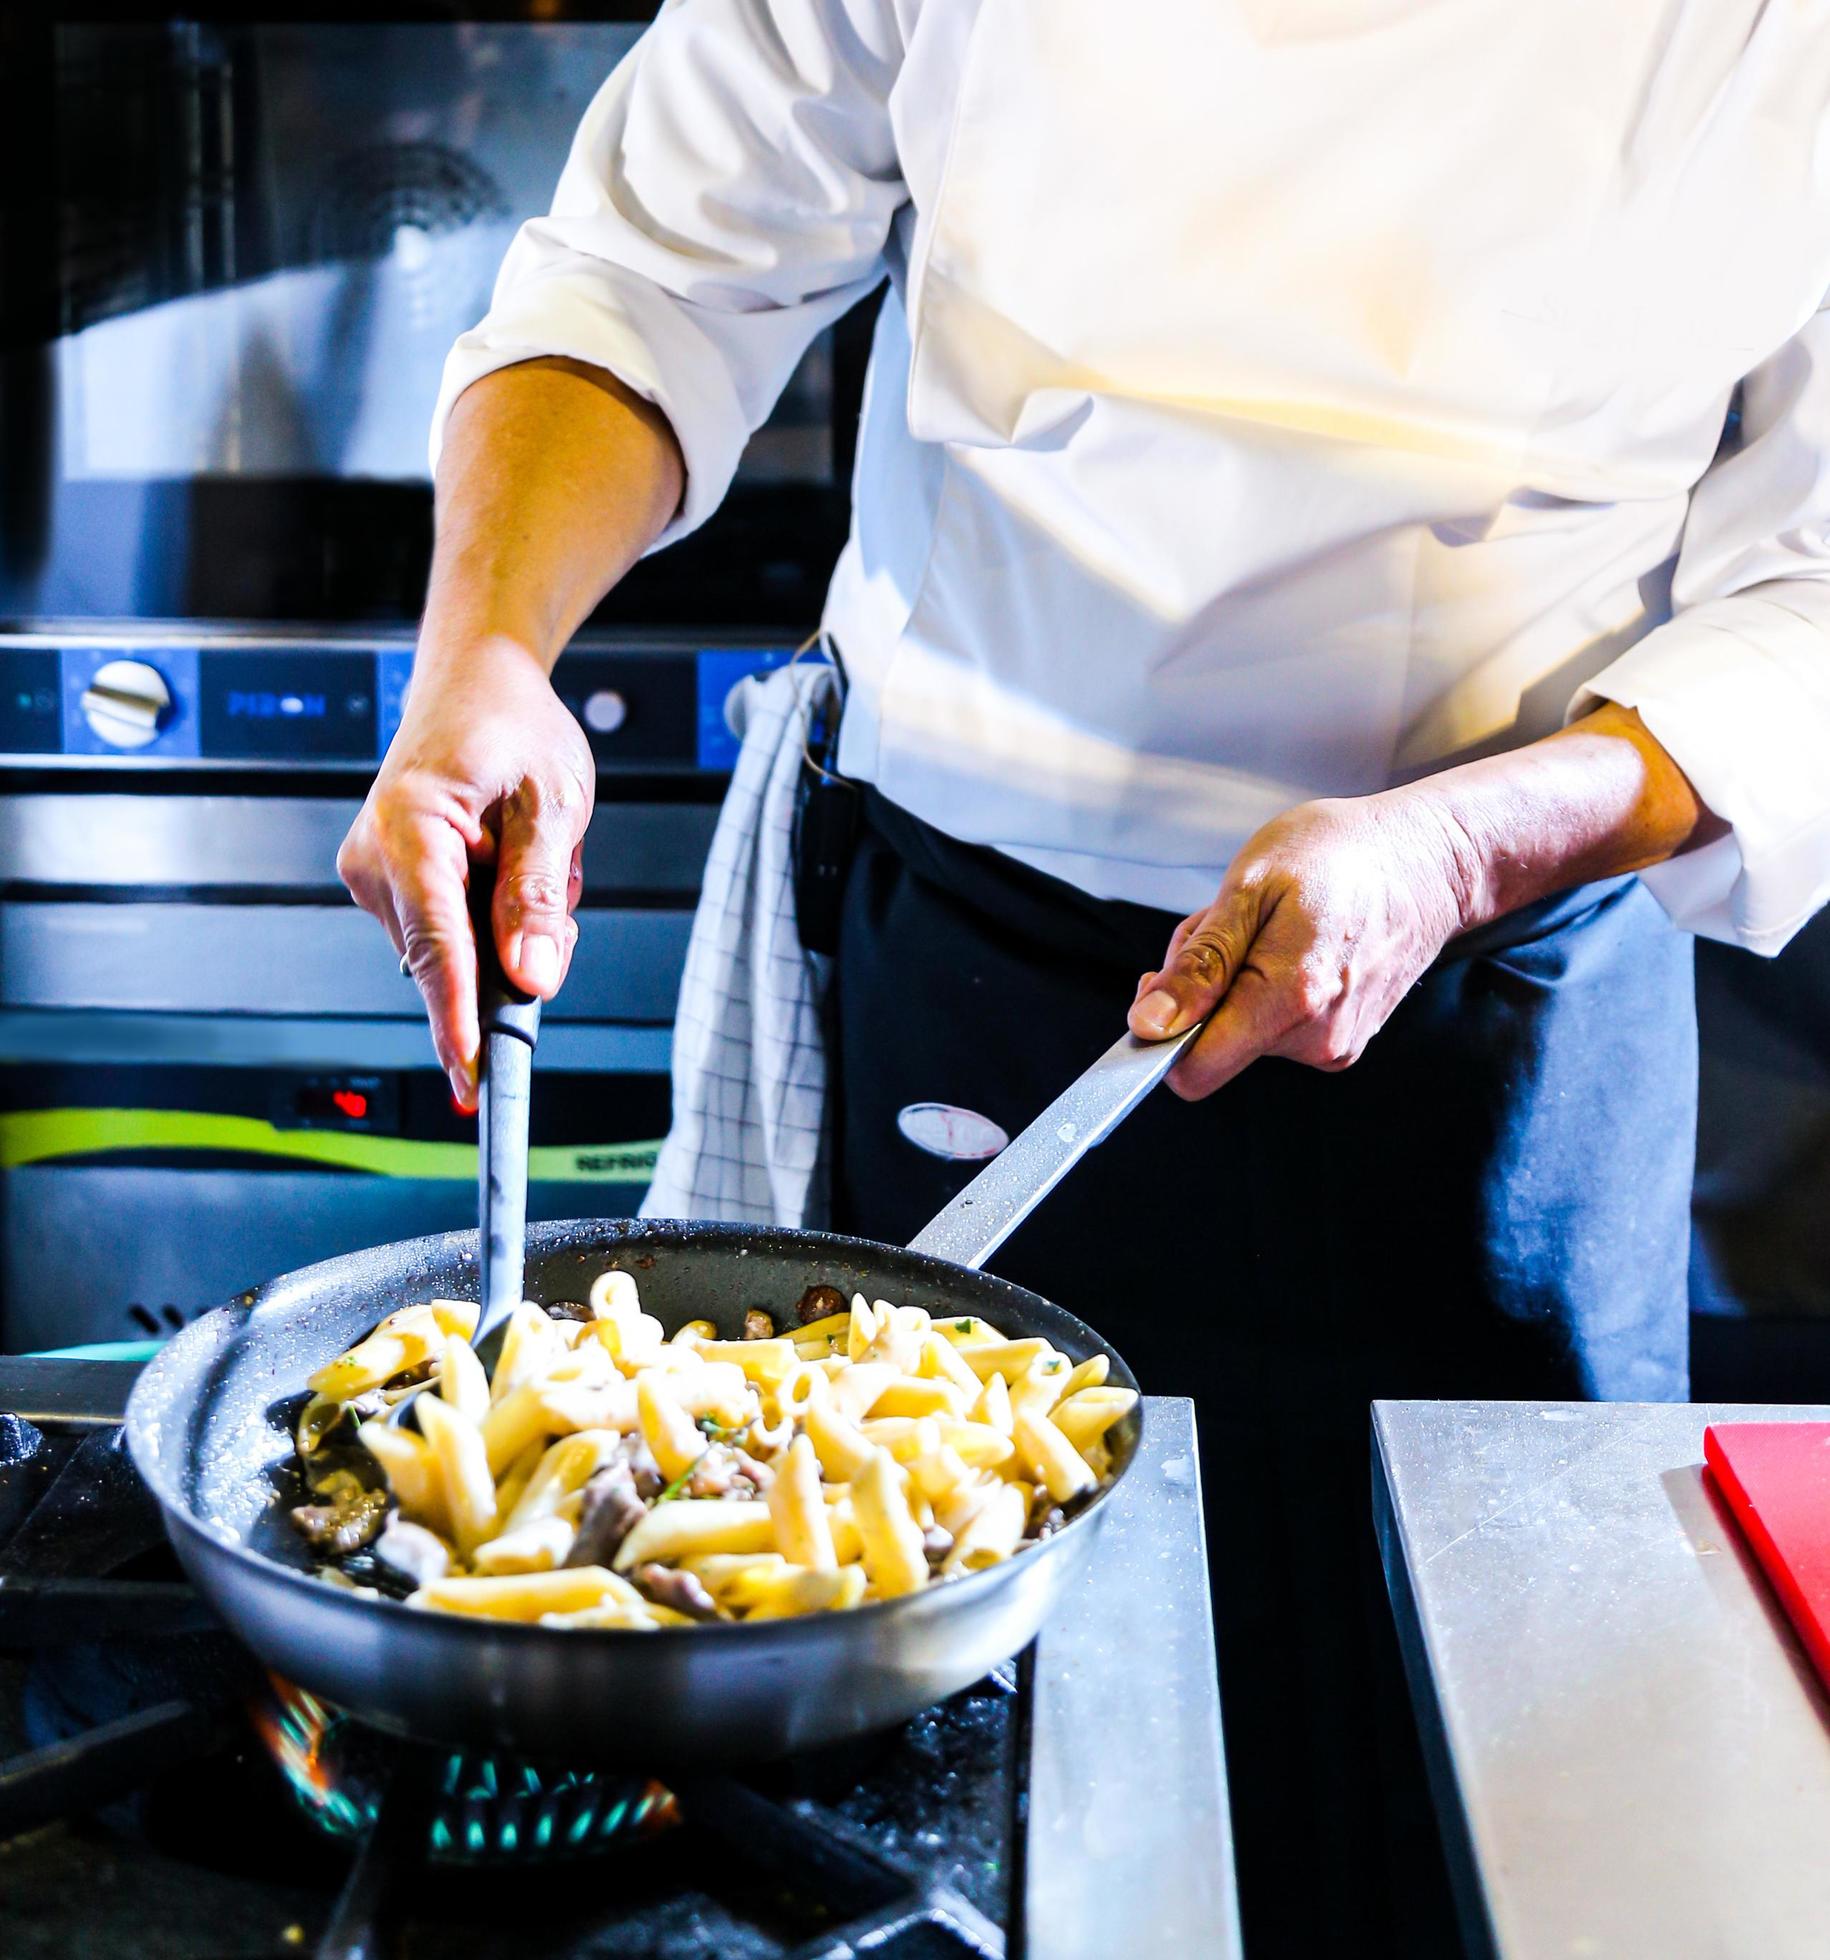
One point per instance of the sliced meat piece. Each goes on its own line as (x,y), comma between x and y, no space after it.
(612,1509)
(680,1590)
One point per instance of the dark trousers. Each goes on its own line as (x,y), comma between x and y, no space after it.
(1493,1203)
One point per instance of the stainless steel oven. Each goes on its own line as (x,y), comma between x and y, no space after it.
(234,249)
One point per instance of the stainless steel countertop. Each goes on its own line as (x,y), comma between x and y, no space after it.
(1130,1846)
(1631,1753)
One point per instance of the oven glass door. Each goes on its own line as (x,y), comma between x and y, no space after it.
(241,251)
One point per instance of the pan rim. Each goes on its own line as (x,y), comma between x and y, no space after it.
(149,1453)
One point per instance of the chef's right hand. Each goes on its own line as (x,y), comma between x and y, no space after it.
(489,778)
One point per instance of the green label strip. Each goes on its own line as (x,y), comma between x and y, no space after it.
(41,1136)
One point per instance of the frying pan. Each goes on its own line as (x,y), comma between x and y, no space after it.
(209,1425)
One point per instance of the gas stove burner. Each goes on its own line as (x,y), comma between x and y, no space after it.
(482,1809)
(160,1794)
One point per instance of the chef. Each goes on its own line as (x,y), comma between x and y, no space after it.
(1341,545)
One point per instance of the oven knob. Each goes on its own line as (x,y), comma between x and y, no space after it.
(605,711)
(127,703)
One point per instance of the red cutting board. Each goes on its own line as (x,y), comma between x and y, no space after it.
(1776,1478)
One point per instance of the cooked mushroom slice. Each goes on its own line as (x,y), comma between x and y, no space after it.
(610,1511)
(817,1303)
(758,1326)
(342,1527)
(568,1310)
(413,1551)
(649,1482)
(680,1590)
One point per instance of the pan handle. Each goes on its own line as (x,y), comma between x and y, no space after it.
(970,1229)
(509,1021)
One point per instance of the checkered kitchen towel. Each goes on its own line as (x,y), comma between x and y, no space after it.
(749,1064)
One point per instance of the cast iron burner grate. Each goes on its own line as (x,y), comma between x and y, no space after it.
(143,1744)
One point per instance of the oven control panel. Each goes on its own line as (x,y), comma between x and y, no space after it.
(296,702)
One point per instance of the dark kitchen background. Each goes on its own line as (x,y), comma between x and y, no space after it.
(233,253)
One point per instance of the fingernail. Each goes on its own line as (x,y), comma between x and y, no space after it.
(1155,1014)
(464,1084)
(539,962)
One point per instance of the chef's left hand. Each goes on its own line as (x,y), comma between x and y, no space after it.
(1323,923)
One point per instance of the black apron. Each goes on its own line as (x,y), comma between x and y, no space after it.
(1494,1202)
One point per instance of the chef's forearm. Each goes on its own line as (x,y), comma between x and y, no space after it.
(553,479)
(1596,799)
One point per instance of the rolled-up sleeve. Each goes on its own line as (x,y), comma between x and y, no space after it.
(1736,686)
(728,194)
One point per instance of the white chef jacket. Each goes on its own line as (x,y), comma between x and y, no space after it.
(1275,398)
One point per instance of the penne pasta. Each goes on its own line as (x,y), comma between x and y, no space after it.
(671,1532)
(520,1596)
(855,1386)
(718,1389)
(1054,1460)
(538,1546)
(795,1591)
(867,1455)
(894,1560)
(1090,1373)
(861,1329)
(463,1471)
(992,1409)
(827,1329)
(939,1359)
(803,1532)
(1011,1359)
(462,1380)
(564,1469)
(677,1442)
(992,1533)
(914,1395)
(905,1437)
(838,1444)
(1084,1418)
(530,1347)
(412,1472)
(978,1444)
(767,1362)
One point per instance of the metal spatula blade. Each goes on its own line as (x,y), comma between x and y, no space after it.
(1011,1186)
